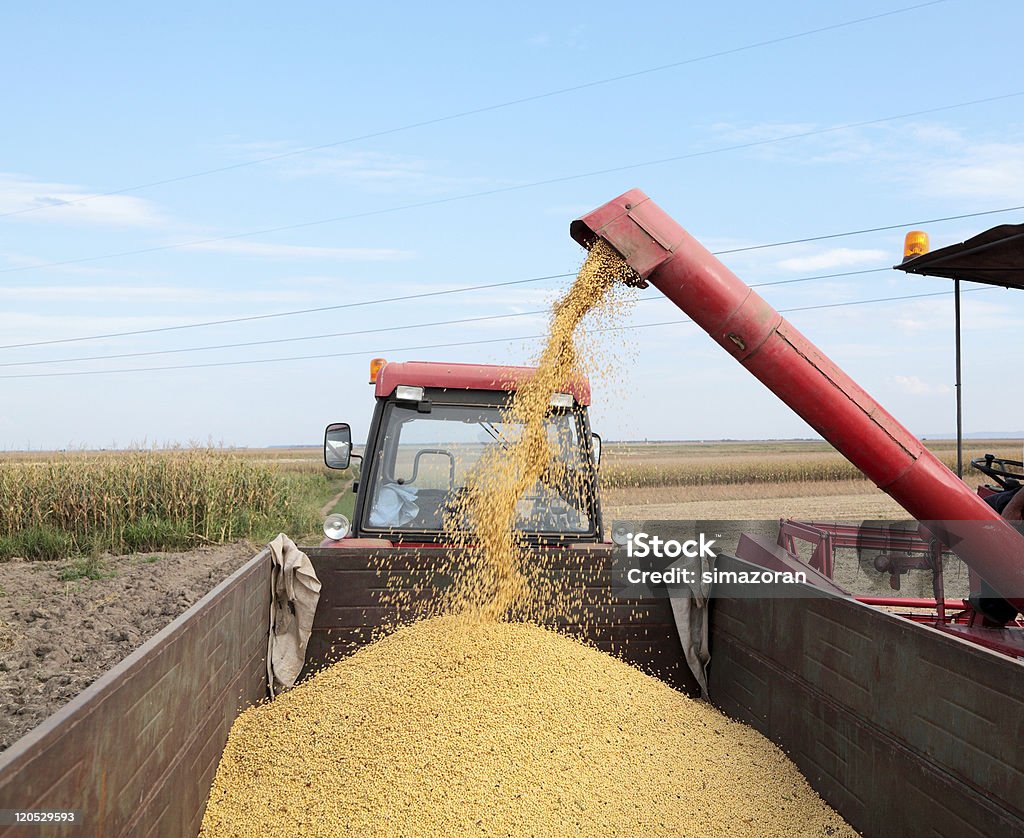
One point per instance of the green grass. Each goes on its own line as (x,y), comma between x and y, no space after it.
(39,543)
(86,567)
(346,504)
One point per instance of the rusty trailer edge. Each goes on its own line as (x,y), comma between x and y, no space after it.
(136,751)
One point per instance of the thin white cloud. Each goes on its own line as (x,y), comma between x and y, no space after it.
(786,141)
(368,169)
(758,131)
(916,386)
(978,315)
(989,171)
(20,260)
(49,202)
(836,257)
(928,159)
(266,250)
(17,327)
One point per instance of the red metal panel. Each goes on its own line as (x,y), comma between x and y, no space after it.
(464,377)
(805,379)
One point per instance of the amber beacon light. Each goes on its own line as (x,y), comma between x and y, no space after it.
(376,365)
(915,244)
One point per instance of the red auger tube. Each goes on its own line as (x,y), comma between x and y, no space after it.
(756,335)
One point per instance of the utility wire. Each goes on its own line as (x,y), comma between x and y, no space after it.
(403,298)
(505,189)
(229,320)
(457,343)
(871,230)
(483,109)
(379,330)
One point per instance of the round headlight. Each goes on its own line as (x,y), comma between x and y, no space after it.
(336,526)
(621,532)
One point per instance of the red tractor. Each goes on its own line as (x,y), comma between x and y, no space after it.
(431,424)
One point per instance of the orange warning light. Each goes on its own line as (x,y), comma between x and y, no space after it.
(915,244)
(376,365)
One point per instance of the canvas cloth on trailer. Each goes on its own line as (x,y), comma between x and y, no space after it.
(295,592)
(691,618)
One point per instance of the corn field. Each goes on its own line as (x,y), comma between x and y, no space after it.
(691,465)
(149,500)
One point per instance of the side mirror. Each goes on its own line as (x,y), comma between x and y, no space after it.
(337,445)
(595,446)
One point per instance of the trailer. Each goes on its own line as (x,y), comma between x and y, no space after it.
(904,727)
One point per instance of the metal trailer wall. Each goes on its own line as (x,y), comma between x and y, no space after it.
(137,750)
(351,612)
(903,729)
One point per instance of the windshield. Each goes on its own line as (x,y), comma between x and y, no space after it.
(424,460)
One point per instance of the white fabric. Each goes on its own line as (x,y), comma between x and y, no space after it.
(395,506)
(691,618)
(295,591)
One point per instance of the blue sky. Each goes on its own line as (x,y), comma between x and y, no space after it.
(110,97)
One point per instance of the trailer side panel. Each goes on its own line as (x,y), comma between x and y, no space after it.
(903,729)
(353,609)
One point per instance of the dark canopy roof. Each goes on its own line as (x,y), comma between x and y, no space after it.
(995,257)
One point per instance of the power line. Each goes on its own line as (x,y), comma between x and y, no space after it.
(403,298)
(506,189)
(434,324)
(870,230)
(229,320)
(456,343)
(475,111)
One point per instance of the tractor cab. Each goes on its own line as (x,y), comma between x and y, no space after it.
(433,424)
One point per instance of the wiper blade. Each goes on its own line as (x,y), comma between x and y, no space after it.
(494,433)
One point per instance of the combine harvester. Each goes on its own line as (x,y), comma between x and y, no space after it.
(905,726)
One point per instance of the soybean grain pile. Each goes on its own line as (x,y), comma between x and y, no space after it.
(455,726)
(467,724)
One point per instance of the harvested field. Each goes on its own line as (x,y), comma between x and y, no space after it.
(640,465)
(58,636)
(458,727)
(853,500)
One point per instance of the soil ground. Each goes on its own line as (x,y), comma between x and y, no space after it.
(57,637)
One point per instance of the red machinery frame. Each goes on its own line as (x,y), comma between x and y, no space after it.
(920,552)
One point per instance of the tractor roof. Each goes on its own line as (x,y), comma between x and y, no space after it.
(995,257)
(464,377)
